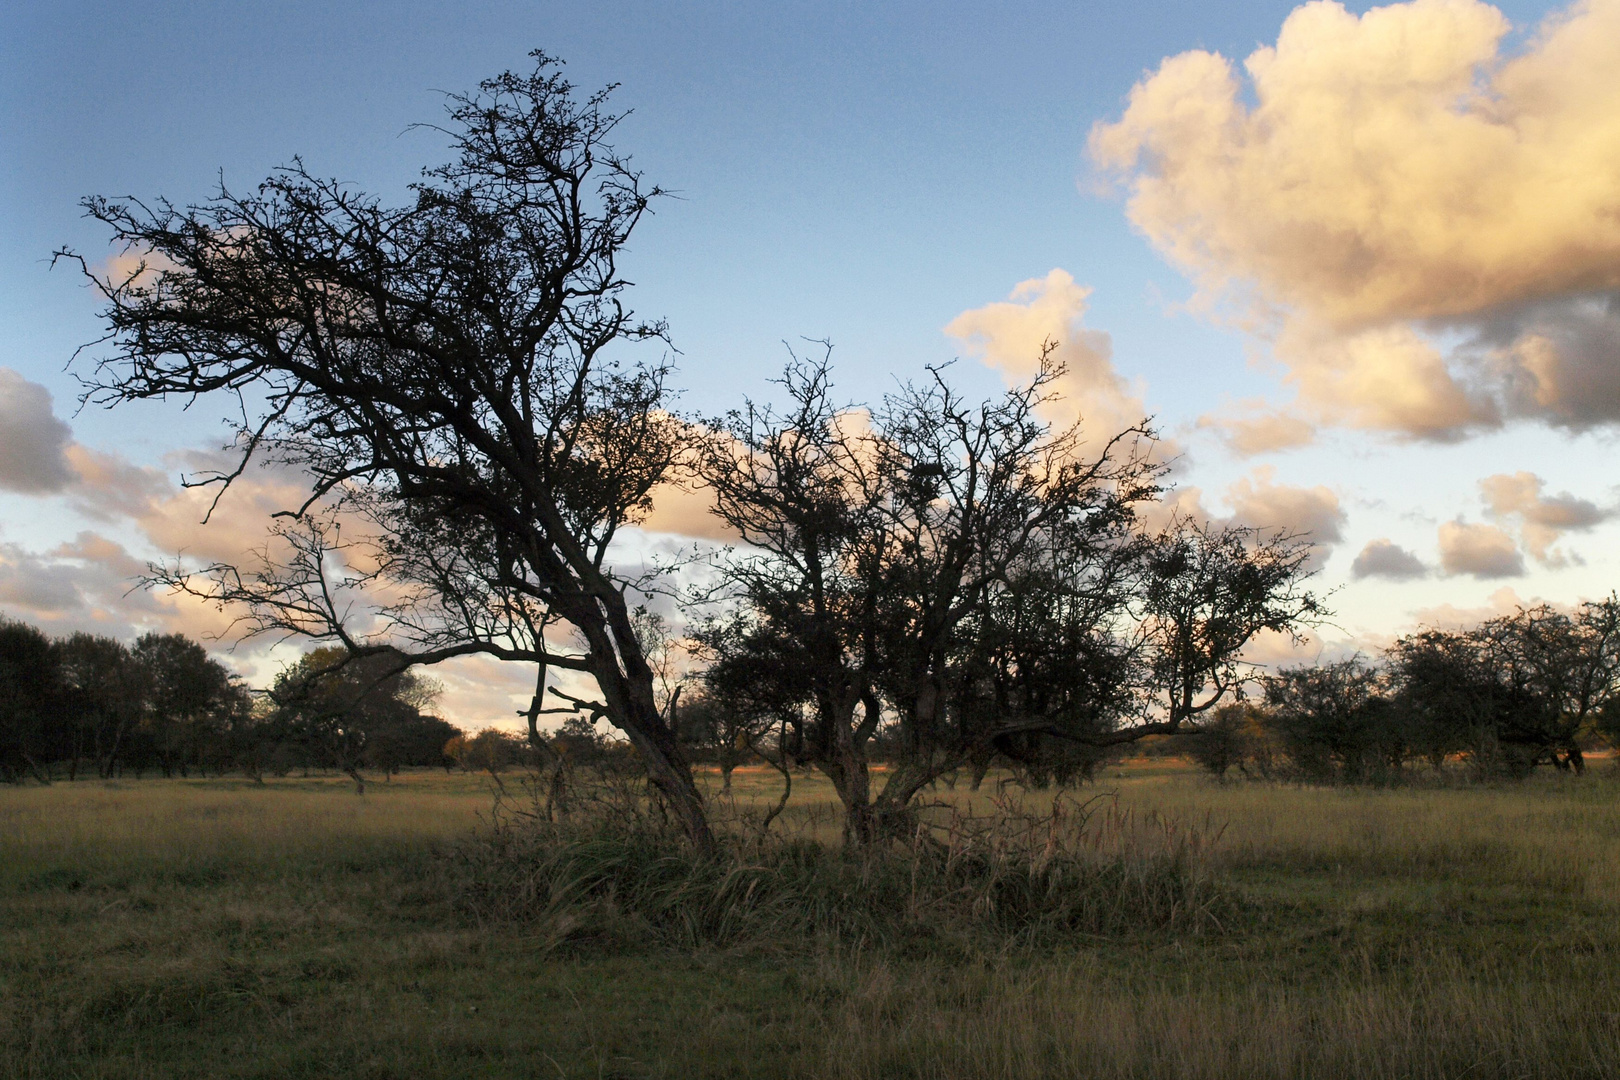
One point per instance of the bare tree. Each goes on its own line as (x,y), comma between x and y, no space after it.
(802,491)
(441,372)
(872,542)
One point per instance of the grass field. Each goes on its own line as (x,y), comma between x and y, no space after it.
(295,929)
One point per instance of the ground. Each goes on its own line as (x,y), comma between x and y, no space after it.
(218,928)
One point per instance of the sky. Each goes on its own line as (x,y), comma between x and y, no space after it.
(1360,265)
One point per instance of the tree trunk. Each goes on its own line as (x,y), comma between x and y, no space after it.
(892,814)
(33,767)
(669,772)
(626,682)
(844,763)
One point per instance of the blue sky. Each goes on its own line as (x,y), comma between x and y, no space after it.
(864,173)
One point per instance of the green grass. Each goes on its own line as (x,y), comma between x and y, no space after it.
(224,929)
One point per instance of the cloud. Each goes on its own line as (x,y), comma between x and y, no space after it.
(1009,336)
(1258,500)
(37,585)
(90,583)
(108,487)
(33,442)
(684,511)
(1542,520)
(1504,601)
(1252,428)
(173,516)
(1423,226)
(1386,559)
(1484,551)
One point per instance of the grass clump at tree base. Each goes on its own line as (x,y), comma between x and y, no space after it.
(1014,876)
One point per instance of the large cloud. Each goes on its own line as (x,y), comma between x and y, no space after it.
(91,583)
(33,442)
(1426,228)
(688,511)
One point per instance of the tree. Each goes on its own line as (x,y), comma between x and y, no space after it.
(1560,671)
(192,702)
(1335,719)
(410,741)
(1207,591)
(29,693)
(1514,692)
(1447,698)
(992,509)
(1231,737)
(338,707)
(1043,668)
(439,370)
(874,544)
(106,697)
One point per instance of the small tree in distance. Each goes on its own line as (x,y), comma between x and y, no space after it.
(338,708)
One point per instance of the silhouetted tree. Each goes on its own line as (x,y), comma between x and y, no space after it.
(29,696)
(1516,691)
(106,701)
(1559,671)
(336,706)
(438,369)
(1207,591)
(1335,720)
(980,574)
(192,702)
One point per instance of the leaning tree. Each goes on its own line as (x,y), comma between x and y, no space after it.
(449,374)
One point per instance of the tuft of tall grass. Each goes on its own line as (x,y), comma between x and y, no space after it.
(1016,876)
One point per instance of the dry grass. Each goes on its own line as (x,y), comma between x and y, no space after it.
(219,928)
(220,827)
(1075,1020)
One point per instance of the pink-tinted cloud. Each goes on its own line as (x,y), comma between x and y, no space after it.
(1504,601)
(1250,428)
(1259,501)
(1483,551)
(1542,519)
(1010,335)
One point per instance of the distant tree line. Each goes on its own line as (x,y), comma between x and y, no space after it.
(88,705)
(1499,699)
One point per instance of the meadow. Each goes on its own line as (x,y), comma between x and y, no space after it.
(219,928)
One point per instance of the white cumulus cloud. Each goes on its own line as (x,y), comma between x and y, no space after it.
(1422,224)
